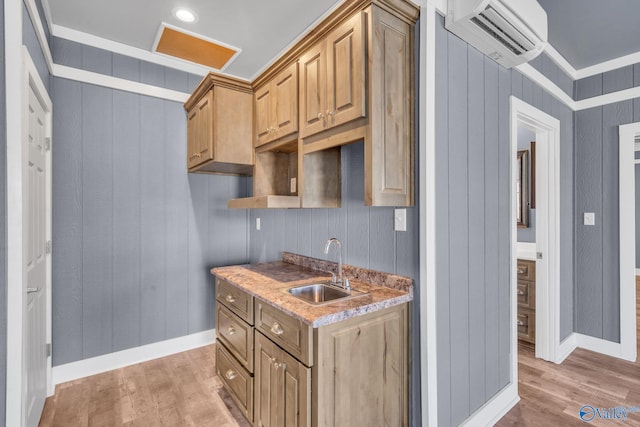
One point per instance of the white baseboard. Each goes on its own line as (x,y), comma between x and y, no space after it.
(566,348)
(601,346)
(494,409)
(108,362)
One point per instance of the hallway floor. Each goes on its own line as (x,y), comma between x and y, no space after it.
(552,395)
(178,390)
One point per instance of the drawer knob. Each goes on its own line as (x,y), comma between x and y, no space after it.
(520,323)
(231,330)
(230,374)
(520,292)
(277,329)
(230,298)
(521,271)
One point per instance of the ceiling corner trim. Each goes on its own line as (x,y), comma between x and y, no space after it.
(560,61)
(613,64)
(295,40)
(123,49)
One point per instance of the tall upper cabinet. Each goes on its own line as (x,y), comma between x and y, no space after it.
(219,126)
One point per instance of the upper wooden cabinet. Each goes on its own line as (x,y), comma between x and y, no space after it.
(219,126)
(276,107)
(333,82)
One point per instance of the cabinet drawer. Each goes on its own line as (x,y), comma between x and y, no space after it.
(526,294)
(236,300)
(291,334)
(236,335)
(526,269)
(526,324)
(237,381)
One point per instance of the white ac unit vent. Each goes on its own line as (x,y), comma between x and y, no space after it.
(511,32)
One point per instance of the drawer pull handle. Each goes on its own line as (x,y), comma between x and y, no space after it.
(520,292)
(230,298)
(230,374)
(520,323)
(522,271)
(277,329)
(231,330)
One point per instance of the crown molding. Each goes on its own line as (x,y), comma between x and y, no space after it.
(560,61)
(613,64)
(541,80)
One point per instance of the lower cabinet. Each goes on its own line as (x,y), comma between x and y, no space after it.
(282,387)
(349,373)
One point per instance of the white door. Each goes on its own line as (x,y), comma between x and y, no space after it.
(35,214)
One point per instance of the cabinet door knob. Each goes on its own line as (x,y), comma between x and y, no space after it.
(231,330)
(320,116)
(230,298)
(277,329)
(230,374)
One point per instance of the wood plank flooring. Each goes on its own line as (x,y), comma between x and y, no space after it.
(183,390)
(552,395)
(178,390)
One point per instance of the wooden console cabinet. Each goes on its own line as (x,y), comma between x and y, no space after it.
(282,372)
(526,270)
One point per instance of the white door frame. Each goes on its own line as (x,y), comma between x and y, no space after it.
(16,196)
(628,339)
(547,131)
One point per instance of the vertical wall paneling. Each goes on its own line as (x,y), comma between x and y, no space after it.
(476,221)
(459,227)
(588,181)
(491,222)
(134,235)
(176,255)
(3,225)
(126,219)
(443,262)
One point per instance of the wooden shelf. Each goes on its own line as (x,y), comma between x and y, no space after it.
(263,202)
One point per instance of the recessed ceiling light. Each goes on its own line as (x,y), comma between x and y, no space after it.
(185,15)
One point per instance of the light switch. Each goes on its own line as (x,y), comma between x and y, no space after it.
(257,223)
(589,218)
(400,220)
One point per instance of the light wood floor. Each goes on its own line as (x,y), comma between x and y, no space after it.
(179,390)
(183,390)
(552,395)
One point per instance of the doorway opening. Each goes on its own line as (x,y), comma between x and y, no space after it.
(542,323)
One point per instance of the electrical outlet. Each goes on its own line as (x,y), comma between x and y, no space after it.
(257,223)
(589,218)
(400,220)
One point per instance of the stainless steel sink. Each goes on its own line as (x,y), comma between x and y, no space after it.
(323,293)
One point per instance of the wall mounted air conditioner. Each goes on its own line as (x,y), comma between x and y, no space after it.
(511,32)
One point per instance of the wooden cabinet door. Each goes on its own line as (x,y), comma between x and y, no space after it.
(200,129)
(313,90)
(389,154)
(263,128)
(282,387)
(346,72)
(285,102)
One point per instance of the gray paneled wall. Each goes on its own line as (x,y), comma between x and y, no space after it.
(473,224)
(553,72)
(3,227)
(596,177)
(367,235)
(134,234)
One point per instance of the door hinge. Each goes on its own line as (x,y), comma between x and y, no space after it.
(48,349)
(47,247)
(47,143)
(538,255)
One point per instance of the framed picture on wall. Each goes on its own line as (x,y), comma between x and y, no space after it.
(532,195)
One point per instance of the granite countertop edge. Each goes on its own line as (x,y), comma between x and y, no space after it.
(247,277)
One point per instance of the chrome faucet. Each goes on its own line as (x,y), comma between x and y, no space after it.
(343,281)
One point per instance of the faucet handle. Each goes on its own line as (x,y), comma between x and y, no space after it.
(333,277)
(346,284)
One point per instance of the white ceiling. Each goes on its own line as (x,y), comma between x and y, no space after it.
(585,32)
(260,28)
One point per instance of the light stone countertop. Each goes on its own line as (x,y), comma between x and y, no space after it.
(269,283)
